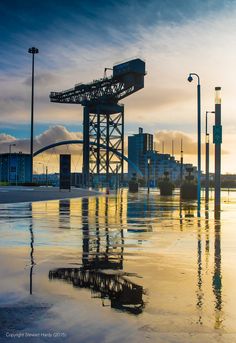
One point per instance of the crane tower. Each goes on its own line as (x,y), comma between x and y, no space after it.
(103,116)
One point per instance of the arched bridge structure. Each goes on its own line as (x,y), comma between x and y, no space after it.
(80,141)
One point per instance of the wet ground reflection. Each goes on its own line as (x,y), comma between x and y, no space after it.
(123,294)
(149,256)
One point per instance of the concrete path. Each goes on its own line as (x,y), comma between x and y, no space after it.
(11,194)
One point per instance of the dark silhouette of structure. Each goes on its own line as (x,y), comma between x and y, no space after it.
(32,51)
(92,144)
(102,259)
(103,118)
(123,294)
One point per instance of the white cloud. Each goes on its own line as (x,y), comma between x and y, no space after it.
(53,134)
(206,46)
(6,138)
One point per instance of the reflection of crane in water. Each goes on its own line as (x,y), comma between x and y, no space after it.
(103,250)
(123,294)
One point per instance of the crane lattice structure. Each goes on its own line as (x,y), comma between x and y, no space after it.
(103,116)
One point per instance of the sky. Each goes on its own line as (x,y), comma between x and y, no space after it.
(78,39)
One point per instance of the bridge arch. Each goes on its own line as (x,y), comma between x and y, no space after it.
(80,141)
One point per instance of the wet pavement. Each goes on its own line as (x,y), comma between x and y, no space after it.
(18,194)
(129,268)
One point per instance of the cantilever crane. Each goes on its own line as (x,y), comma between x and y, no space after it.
(103,118)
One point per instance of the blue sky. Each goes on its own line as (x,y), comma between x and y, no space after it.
(77,39)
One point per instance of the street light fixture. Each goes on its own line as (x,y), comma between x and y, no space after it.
(190,79)
(32,51)
(207,159)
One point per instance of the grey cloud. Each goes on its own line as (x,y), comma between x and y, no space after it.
(42,79)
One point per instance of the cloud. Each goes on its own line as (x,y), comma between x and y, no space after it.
(6,138)
(57,134)
(189,144)
(42,79)
(171,44)
(60,133)
(53,134)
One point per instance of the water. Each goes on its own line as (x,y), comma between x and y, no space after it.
(129,268)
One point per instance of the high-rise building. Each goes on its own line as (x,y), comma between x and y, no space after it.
(138,145)
(15,167)
(149,161)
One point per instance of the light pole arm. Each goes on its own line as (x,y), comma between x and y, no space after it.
(198,78)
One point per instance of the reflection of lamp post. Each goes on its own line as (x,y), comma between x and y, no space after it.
(32,51)
(207,161)
(31,256)
(9,160)
(190,79)
(148,180)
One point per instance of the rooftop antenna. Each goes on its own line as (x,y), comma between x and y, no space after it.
(181,161)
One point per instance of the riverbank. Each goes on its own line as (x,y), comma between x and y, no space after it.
(17,194)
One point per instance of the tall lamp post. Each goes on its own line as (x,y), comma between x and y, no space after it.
(32,51)
(190,79)
(207,160)
(217,140)
(9,160)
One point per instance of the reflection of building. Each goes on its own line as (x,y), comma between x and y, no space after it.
(15,167)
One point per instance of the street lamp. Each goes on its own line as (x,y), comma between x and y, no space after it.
(32,51)
(217,140)
(148,181)
(207,160)
(9,160)
(190,79)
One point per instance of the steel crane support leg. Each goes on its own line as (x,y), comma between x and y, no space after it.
(86,147)
(107,147)
(122,144)
(103,124)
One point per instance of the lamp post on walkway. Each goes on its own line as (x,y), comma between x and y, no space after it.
(217,140)
(207,161)
(190,79)
(32,51)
